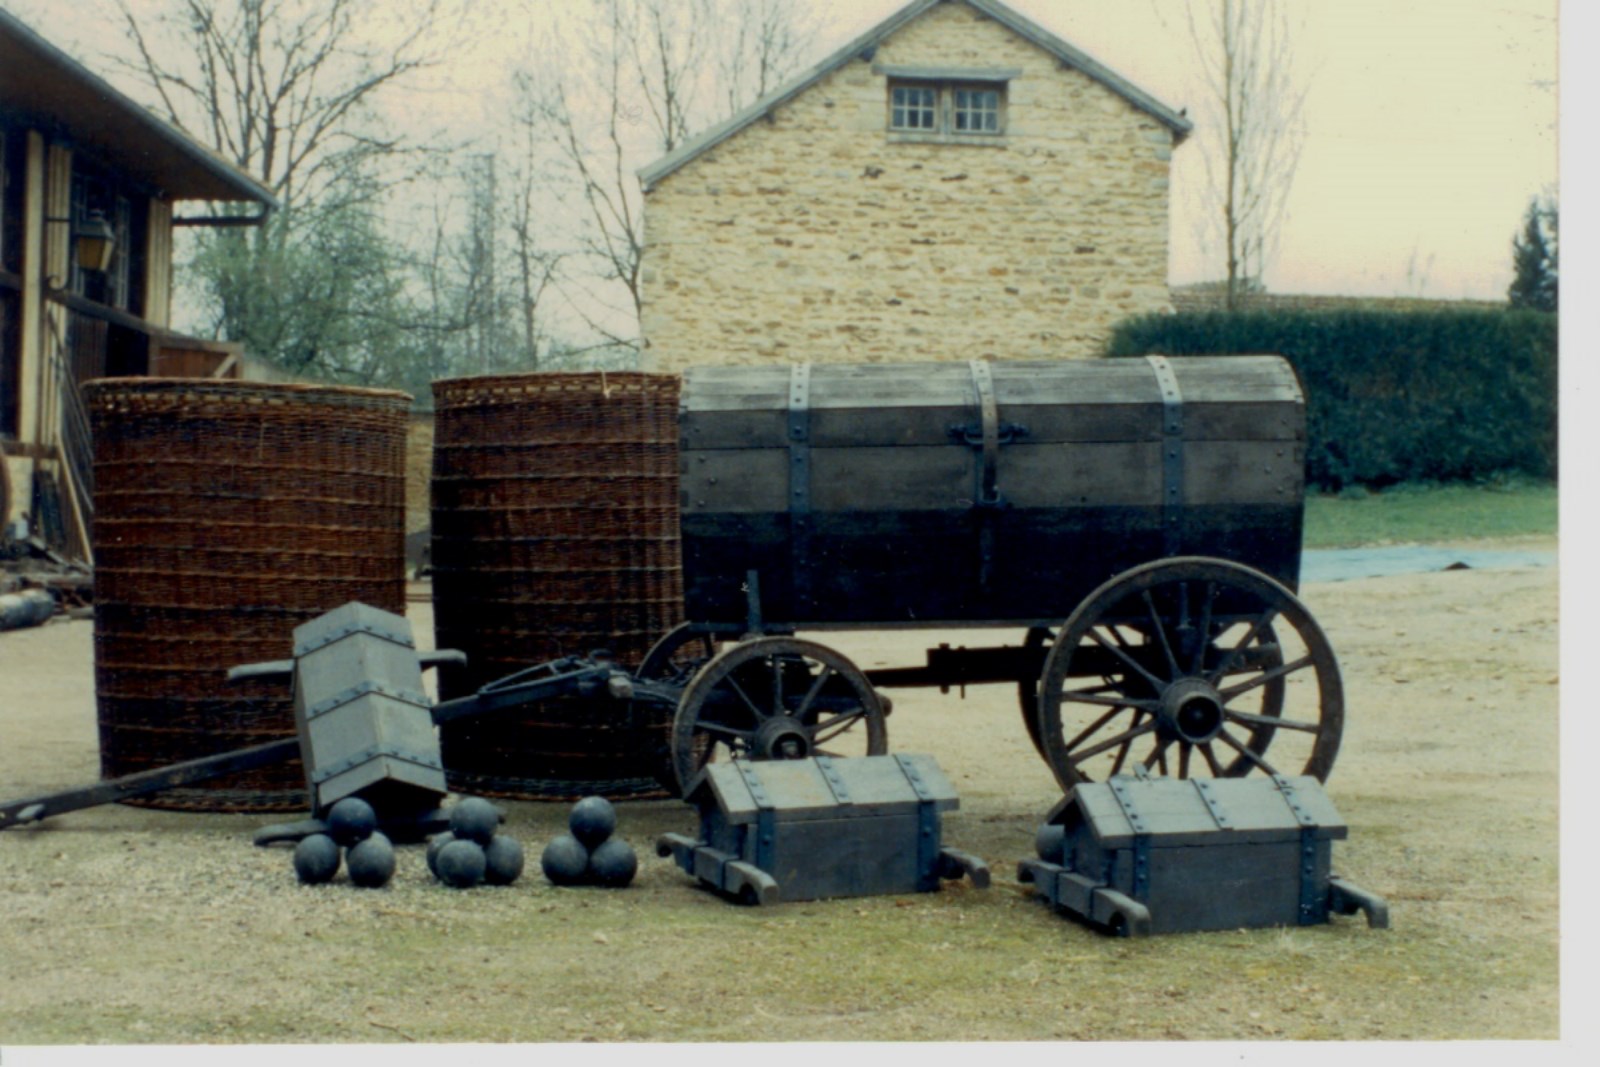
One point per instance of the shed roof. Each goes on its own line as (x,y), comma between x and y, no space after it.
(48,89)
(862,48)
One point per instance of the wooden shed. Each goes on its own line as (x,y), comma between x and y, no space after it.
(89,187)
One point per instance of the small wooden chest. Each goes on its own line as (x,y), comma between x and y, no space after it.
(814,828)
(1141,855)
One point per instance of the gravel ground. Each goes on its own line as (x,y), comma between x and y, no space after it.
(130,926)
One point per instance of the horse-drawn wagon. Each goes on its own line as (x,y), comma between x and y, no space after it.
(1138,521)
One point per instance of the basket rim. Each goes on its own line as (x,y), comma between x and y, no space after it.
(104,389)
(503,388)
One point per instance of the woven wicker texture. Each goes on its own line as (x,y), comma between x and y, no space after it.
(555,532)
(227,514)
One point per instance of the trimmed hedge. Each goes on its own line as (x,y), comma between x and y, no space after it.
(1394,396)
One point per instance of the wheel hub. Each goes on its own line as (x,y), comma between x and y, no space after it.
(782,737)
(1192,710)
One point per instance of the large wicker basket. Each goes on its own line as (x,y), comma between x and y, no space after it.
(227,514)
(555,532)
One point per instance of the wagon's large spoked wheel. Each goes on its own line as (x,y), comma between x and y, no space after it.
(1190,667)
(776,698)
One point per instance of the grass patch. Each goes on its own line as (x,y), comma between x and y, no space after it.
(1411,513)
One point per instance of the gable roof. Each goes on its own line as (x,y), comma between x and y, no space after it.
(45,87)
(863,47)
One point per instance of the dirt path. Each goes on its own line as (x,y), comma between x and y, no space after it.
(131,926)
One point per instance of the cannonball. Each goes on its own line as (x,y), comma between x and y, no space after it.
(316,859)
(371,862)
(503,859)
(565,861)
(435,843)
(613,864)
(461,864)
(1050,843)
(593,819)
(351,821)
(474,819)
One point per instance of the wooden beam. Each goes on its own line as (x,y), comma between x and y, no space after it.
(30,362)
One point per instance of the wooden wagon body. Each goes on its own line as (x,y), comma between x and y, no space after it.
(988,493)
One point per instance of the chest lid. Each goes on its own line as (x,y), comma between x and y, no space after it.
(1188,811)
(823,788)
(1235,397)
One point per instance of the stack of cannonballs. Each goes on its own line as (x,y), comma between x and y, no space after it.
(473,851)
(367,852)
(590,855)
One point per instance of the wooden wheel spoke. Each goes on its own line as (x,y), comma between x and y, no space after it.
(1211,759)
(1280,671)
(1239,747)
(1255,628)
(827,731)
(1118,651)
(1094,727)
(1185,750)
(761,716)
(1271,721)
(815,690)
(723,729)
(1122,757)
(1090,696)
(1205,629)
(1158,755)
(1110,743)
(1161,632)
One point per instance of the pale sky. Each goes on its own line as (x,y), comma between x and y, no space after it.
(1431,123)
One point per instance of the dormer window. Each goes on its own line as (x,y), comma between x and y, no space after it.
(947,104)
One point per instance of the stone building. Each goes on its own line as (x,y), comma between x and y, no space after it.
(956,183)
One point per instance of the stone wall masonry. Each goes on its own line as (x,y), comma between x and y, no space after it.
(816,235)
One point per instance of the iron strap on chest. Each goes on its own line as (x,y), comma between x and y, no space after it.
(800,519)
(1171,454)
(1312,891)
(766,826)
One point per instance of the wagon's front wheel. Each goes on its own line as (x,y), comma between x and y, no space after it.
(673,660)
(775,698)
(1190,667)
(678,654)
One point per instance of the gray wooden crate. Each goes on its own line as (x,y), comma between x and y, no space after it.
(364,718)
(1005,491)
(816,828)
(1158,855)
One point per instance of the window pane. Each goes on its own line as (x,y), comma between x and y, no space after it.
(977,110)
(913,108)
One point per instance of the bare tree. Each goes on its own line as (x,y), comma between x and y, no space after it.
(289,90)
(280,87)
(762,49)
(1250,128)
(533,265)
(648,74)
